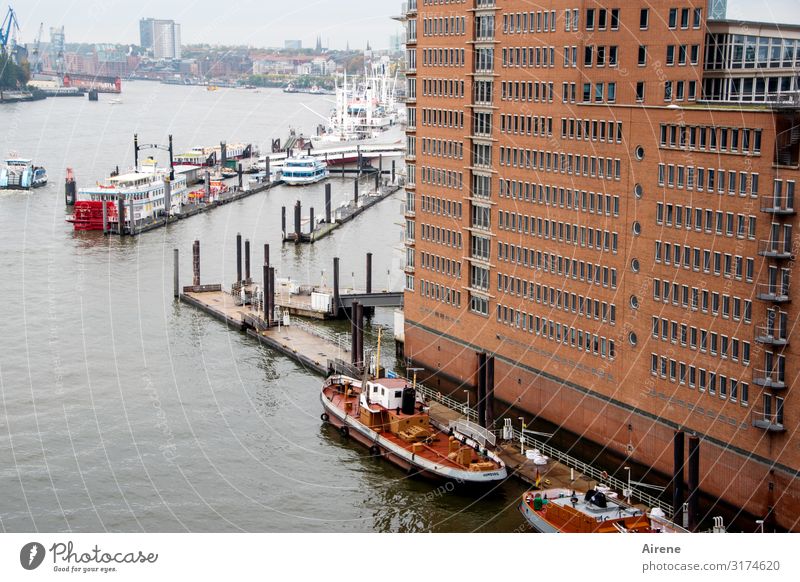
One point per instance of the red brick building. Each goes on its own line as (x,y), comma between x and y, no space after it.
(602,198)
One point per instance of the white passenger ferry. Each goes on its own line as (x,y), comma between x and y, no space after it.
(303,170)
(21,174)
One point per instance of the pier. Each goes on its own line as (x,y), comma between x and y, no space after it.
(333,218)
(257,312)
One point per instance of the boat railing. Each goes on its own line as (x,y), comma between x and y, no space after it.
(527,441)
(340,340)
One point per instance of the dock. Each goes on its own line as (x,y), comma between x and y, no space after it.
(321,351)
(334,218)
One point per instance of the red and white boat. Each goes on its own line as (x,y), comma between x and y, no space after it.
(390,419)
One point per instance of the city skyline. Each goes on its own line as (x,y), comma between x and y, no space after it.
(339,24)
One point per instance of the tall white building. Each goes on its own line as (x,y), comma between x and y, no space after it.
(162,37)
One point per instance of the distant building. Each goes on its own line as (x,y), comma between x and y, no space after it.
(161,37)
(293,45)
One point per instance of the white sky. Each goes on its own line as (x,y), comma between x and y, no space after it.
(262,23)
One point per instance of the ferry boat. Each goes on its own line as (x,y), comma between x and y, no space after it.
(303,170)
(21,174)
(211,156)
(595,511)
(141,194)
(388,417)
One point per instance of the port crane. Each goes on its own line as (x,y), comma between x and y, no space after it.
(36,61)
(8,30)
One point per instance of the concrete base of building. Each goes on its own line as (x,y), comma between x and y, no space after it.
(740,479)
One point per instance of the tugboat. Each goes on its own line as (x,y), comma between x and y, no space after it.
(386,415)
(21,174)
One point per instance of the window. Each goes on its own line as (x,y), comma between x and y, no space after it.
(642,55)
(673,18)
(590,19)
(644,18)
(614,18)
(671,54)
(640,91)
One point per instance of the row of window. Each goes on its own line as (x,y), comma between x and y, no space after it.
(711,138)
(674,90)
(442,236)
(586,236)
(685,54)
(440,177)
(440,293)
(444,26)
(441,206)
(599,56)
(704,380)
(526,91)
(555,264)
(739,51)
(453,88)
(557,196)
(591,129)
(558,332)
(716,344)
(539,56)
(438,264)
(443,148)
(708,219)
(523,22)
(602,92)
(443,118)
(697,259)
(694,298)
(561,162)
(443,57)
(526,125)
(707,179)
(558,298)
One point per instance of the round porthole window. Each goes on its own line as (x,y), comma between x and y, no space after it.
(632,339)
(637,228)
(635,265)
(639,152)
(638,191)
(634,302)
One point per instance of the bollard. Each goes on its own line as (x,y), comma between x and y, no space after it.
(238,258)
(247,261)
(335,286)
(297,221)
(327,203)
(196,263)
(176,290)
(369,273)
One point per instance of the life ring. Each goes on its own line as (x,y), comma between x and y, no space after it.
(375,450)
(324,417)
(344,430)
(604,475)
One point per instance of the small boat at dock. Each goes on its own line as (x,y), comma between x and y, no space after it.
(388,416)
(595,511)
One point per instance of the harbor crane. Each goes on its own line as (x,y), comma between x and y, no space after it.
(8,31)
(36,60)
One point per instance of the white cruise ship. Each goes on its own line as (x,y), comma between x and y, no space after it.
(303,170)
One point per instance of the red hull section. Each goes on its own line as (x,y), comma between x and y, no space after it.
(89,215)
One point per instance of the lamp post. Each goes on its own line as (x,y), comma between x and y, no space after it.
(760,523)
(628,490)
(466,408)
(522,435)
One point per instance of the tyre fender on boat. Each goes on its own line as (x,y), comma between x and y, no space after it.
(375,450)
(345,430)
(324,417)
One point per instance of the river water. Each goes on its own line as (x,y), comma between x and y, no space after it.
(121,410)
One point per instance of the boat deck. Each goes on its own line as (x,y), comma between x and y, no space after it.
(436,449)
(569,512)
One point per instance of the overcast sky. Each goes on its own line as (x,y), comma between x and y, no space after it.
(262,23)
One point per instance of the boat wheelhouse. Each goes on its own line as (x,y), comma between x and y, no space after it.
(303,170)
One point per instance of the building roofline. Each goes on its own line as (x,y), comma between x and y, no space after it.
(755,24)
